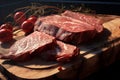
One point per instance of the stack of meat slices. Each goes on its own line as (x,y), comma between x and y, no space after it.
(70,27)
(39,44)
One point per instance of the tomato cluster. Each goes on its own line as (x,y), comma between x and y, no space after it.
(6,32)
(26,24)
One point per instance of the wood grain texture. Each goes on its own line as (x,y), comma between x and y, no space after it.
(107,52)
(2,76)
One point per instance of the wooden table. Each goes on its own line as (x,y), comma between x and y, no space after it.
(95,55)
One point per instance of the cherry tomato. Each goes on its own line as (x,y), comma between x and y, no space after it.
(5,35)
(6,26)
(27,26)
(32,19)
(19,17)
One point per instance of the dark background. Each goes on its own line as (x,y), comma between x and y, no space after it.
(111,72)
(100,6)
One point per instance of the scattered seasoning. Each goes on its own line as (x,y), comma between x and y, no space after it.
(60,68)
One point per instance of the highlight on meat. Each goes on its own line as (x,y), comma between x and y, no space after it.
(70,27)
(41,45)
(51,35)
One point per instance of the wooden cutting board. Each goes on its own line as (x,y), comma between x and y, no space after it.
(36,69)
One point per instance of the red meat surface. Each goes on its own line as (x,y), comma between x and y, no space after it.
(92,20)
(61,53)
(43,46)
(69,29)
(23,48)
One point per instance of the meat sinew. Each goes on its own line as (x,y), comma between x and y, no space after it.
(23,48)
(44,46)
(61,53)
(67,29)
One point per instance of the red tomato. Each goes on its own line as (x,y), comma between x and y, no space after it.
(19,17)
(5,35)
(27,26)
(6,26)
(32,19)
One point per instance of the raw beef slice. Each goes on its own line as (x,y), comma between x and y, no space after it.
(35,42)
(66,29)
(62,52)
(43,46)
(92,20)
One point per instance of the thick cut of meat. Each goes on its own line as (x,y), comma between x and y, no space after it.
(66,23)
(43,46)
(35,42)
(61,53)
(86,18)
(66,29)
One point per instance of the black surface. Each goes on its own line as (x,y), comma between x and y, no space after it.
(109,73)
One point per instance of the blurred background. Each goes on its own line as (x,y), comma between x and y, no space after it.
(99,6)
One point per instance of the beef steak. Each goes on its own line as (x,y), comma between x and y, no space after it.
(62,52)
(23,48)
(43,46)
(66,28)
(92,20)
